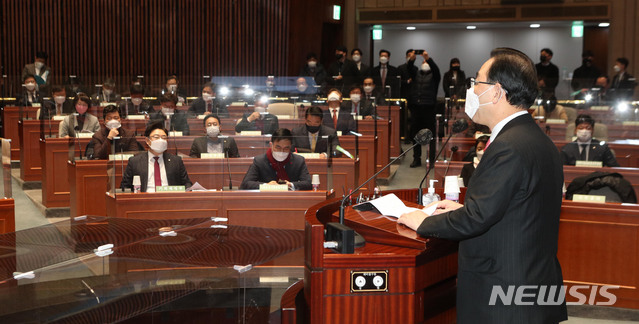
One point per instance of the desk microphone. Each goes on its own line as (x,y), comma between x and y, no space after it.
(228,162)
(77,139)
(452,151)
(338,231)
(459,126)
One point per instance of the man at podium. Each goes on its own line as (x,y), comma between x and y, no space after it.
(508,226)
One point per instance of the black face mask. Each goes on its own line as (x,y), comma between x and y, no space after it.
(339,56)
(455,68)
(312,129)
(550,105)
(587,61)
(542,58)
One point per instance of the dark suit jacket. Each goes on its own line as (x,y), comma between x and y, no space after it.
(508,226)
(345,121)
(199,146)
(24,99)
(391,79)
(97,98)
(271,124)
(622,88)
(102,145)
(178,121)
(139,165)
(47,110)
(30,69)
(365,107)
(598,151)
(261,172)
(349,72)
(127,108)
(198,107)
(302,143)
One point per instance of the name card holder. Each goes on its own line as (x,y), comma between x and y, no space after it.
(135,117)
(104,104)
(284,117)
(589,164)
(310,155)
(201,116)
(270,187)
(601,108)
(555,121)
(120,157)
(170,188)
(339,133)
(36,105)
(589,198)
(176,133)
(630,123)
(251,133)
(212,156)
(84,135)
(59,118)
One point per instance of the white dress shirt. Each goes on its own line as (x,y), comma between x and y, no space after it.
(150,183)
(495,131)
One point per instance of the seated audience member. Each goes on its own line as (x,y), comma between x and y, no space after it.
(278,165)
(313,136)
(303,92)
(73,86)
(137,105)
(103,140)
(156,167)
(549,108)
(106,94)
(356,106)
(336,118)
(371,94)
(585,147)
(171,87)
(60,106)
(30,93)
(208,103)
(174,120)
(258,119)
(212,143)
(83,122)
(270,89)
(468,169)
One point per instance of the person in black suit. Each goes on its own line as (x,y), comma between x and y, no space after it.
(385,75)
(356,106)
(137,106)
(454,81)
(362,69)
(312,137)
(174,120)
(508,227)
(342,73)
(303,92)
(172,87)
(39,70)
(547,73)
(212,142)
(106,93)
(60,106)
(278,165)
(208,103)
(337,118)
(371,93)
(585,147)
(147,164)
(314,69)
(623,84)
(30,94)
(104,141)
(585,76)
(258,119)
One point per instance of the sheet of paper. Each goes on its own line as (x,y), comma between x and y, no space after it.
(390,205)
(196,187)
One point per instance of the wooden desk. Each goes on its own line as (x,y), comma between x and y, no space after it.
(30,133)
(247,208)
(88,179)
(7,216)
(421,272)
(55,152)
(10,126)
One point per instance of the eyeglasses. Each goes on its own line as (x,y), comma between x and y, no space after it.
(157,137)
(473,81)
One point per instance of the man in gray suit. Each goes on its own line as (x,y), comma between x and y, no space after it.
(155,167)
(508,226)
(40,70)
(278,165)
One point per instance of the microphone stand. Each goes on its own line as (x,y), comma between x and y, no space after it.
(228,163)
(452,151)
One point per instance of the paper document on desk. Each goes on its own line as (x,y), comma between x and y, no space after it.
(196,187)
(388,205)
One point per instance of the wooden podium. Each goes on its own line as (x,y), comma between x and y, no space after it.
(397,277)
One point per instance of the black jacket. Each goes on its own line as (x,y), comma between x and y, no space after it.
(596,180)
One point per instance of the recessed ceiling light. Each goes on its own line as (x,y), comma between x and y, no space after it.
(471,27)
(410,28)
(604,24)
(535,25)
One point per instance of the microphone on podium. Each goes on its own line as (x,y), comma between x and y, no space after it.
(459,126)
(343,238)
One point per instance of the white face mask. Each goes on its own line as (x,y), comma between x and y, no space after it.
(356,97)
(333,97)
(107,92)
(368,89)
(172,87)
(302,87)
(356,58)
(472,101)
(616,68)
(113,124)
(167,111)
(584,135)
(206,97)
(280,156)
(30,86)
(260,110)
(213,131)
(59,99)
(480,154)
(383,59)
(312,64)
(159,145)
(39,65)
(425,67)
(136,101)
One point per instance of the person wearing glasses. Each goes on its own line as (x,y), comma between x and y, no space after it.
(156,167)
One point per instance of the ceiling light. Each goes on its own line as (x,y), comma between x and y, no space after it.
(410,28)
(535,25)
(471,27)
(604,24)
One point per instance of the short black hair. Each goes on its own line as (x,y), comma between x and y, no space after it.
(42,55)
(311,55)
(82,97)
(137,89)
(355,86)
(584,119)
(314,111)
(408,51)
(356,50)
(482,139)
(110,109)
(28,75)
(384,51)
(623,61)
(172,76)
(56,88)
(153,126)
(282,134)
(168,97)
(454,60)
(547,50)
(212,116)
(211,85)
(109,82)
(517,75)
(587,53)
(342,48)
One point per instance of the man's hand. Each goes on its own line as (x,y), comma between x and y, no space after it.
(113,133)
(445,206)
(273,182)
(425,56)
(254,116)
(369,117)
(412,219)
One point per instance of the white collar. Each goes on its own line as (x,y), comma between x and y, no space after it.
(495,131)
